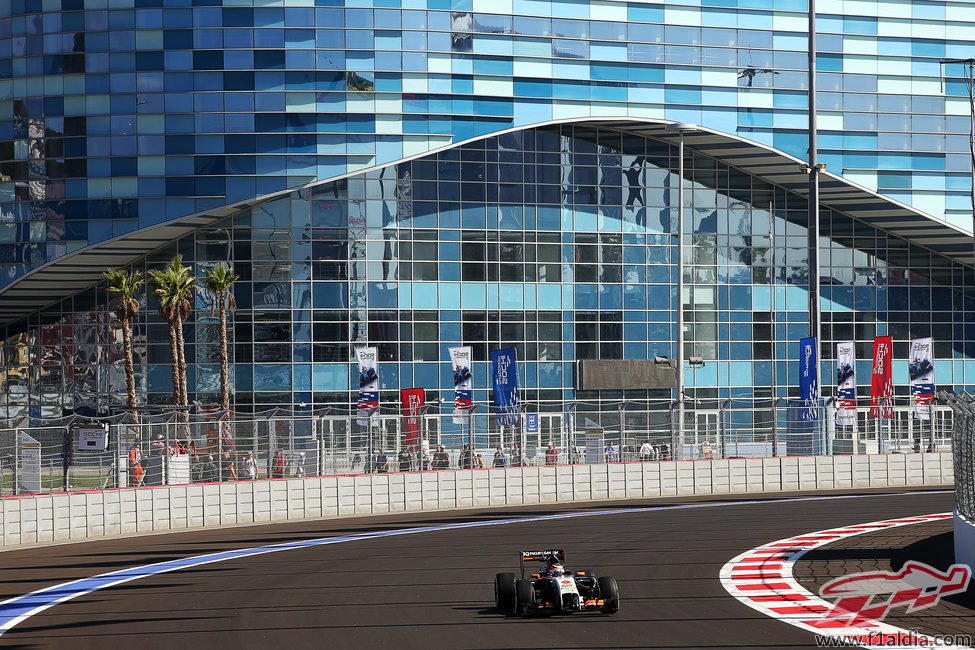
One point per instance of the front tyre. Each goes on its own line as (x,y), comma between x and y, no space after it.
(610,595)
(526,603)
(505,597)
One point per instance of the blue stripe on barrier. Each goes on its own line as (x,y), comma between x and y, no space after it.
(19,608)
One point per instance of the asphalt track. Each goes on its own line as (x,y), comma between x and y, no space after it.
(435,589)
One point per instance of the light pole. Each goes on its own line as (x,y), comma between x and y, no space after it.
(681,128)
(814,169)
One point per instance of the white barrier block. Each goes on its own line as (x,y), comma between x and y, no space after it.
(825,479)
(685,477)
(842,471)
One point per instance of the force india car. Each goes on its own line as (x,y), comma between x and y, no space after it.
(554,590)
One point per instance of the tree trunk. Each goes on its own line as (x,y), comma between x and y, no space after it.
(174,355)
(184,416)
(129,366)
(224,357)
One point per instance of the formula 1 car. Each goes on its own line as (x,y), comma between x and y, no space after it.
(554,590)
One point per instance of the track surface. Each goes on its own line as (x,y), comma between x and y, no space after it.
(434,589)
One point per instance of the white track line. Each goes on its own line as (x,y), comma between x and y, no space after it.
(762,579)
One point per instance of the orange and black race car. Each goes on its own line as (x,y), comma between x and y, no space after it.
(554,589)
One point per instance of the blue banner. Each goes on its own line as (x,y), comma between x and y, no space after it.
(505,386)
(808,378)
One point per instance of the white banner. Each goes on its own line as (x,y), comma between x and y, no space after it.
(30,465)
(460,360)
(846,385)
(368,385)
(921,373)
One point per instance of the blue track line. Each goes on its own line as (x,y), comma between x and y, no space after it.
(17,609)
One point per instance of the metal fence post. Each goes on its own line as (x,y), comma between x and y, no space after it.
(16,482)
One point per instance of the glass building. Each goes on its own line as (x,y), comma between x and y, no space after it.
(421,174)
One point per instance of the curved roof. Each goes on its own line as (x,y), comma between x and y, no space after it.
(83,269)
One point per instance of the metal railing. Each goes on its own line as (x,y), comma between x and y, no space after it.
(280,444)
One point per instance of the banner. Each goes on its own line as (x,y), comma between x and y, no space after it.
(460,360)
(846,385)
(505,386)
(881,383)
(921,372)
(412,401)
(808,379)
(368,385)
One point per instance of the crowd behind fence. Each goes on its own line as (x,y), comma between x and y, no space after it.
(73,455)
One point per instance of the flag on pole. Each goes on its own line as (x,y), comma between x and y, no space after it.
(460,360)
(368,384)
(846,384)
(921,372)
(881,382)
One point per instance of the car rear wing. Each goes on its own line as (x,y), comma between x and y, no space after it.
(554,554)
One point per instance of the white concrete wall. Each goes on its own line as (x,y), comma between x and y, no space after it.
(90,515)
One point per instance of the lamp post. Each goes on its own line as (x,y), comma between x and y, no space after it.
(681,128)
(814,169)
(571,423)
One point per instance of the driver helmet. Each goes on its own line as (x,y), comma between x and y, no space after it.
(556,570)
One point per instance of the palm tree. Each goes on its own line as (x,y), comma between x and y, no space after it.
(126,285)
(173,285)
(218,281)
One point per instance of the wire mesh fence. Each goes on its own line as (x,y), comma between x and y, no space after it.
(963,450)
(87,453)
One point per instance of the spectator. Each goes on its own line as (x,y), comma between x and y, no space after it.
(356,461)
(299,466)
(208,471)
(551,454)
(135,466)
(382,461)
(500,460)
(647,451)
(610,453)
(664,453)
(467,457)
(575,458)
(440,458)
(516,455)
(425,461)
(478,461)
(158,447)
(249,466)
(227,470)
(280,466)
(706,451)
(405,460)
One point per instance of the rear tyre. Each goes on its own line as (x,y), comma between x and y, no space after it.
(610,595)
(527,603)
(505,597)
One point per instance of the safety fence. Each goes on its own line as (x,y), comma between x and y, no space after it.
(963,450)
(88,453)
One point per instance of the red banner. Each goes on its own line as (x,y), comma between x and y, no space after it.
(881,383)
(412,399)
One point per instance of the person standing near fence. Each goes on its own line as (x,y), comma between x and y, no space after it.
(647,451)
(466,458)
(250,467)
(227,469)
(516,455)
(500,460)
(551,455)
(382,461)
(440,458)
(405,460)
(279,466)
(135,466)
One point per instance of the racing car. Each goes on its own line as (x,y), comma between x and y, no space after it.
(554,590)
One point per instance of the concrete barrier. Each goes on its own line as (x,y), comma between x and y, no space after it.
(48,518)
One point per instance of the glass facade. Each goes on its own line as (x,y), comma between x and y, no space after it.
(556,241)
(425,207)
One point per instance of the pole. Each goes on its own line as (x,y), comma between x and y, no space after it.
(16,485)
(679,357)
(814,171)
